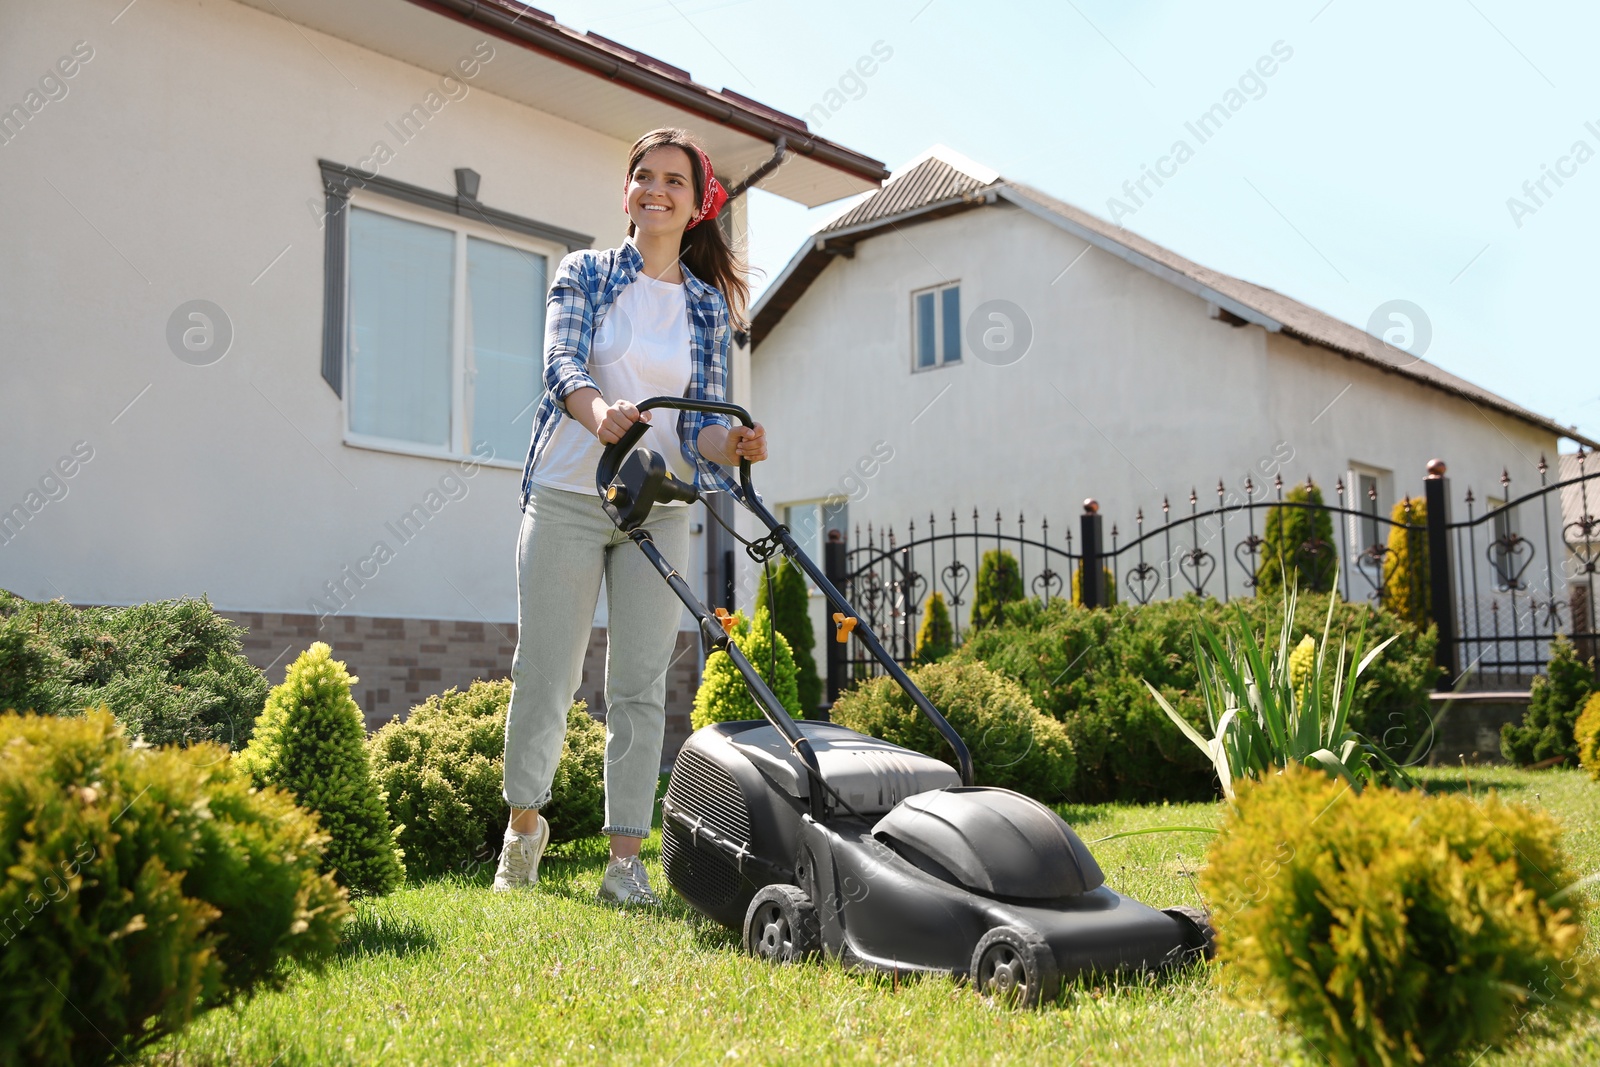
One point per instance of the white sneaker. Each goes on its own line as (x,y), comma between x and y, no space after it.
(627,883)
(519,857)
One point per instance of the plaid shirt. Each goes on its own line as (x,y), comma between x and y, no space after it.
(586,284)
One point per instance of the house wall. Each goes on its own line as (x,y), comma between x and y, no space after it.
(181,165)
(1129,392)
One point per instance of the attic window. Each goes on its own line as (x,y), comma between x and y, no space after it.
(936,326)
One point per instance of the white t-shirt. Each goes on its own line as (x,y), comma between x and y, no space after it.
(639,350)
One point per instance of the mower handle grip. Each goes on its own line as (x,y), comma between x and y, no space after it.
(615,452)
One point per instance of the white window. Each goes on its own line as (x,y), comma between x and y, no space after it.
(1368,494)
(810,522)
(444,333)
(936,326)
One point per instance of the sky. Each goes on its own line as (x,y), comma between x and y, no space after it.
(1383,159)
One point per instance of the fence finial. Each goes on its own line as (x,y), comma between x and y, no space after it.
(1091,506)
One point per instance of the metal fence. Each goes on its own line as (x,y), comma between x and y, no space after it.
(1481,580)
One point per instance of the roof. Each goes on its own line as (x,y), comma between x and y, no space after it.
(596,83)
(939,183)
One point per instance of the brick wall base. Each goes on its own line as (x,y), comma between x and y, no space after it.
(402,662)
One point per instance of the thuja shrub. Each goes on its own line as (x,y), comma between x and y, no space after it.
(999,583)
(1554,701)
(792,616)
(143,886)
(1586,732)
(172,671)
(442,769)
(1298,547)
(723,695)
(1390,927)
(1084,668)
(1406,589)
(935,637)
(1013,746)
(311,740)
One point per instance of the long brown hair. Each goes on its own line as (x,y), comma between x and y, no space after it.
(705,250)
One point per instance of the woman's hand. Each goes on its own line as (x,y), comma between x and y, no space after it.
(747,443)
(616,419)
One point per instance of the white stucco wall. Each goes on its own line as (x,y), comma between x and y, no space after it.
(180,165)
(1129,391)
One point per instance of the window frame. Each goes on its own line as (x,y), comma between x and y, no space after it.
(941,341)
(466,217)
(819,507)
(1383,508)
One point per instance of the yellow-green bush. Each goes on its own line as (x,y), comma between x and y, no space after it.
(1391,928)
(723,695)
(1405,569)
(443,771)
(1013,745)
(311,739)
(1077,586)
(999,583)
(142,886)
(1587,733)
(935,637)
(793,620)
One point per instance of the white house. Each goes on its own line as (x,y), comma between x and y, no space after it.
(957,341)
(273,276)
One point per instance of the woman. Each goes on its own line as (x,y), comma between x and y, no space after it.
(649,318)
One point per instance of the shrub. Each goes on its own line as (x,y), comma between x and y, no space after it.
(443,771)
(1298,544)
(1083,668)
(1554,701)
(723,695)
(171,671)
(1077,586)
(1395,927)
(1271,707)
(999,583)
(311,740)
(1013,745)
(935,637)
(1586,732)
(143,886)
(793,620)
(1405,569)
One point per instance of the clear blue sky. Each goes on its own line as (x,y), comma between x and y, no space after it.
(1373,164)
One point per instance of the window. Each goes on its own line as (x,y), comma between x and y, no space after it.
(1369,496)
(445,333)
(936,326)
(810,523)
(433,314)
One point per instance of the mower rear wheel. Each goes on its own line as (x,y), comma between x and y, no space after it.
(1014,965)
(781,925)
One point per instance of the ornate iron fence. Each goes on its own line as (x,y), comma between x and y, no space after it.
(1497,629)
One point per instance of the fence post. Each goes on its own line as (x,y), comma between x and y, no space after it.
(835,566)
(1092,581)
(1442,574)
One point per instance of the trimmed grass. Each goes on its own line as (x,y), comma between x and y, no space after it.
(448,972)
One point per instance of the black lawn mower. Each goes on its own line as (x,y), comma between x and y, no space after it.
(810,838)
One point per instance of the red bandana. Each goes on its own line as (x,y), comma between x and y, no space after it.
(710,204)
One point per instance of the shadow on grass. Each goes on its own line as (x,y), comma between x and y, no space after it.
(376,931)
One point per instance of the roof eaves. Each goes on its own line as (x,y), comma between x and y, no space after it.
(537,31)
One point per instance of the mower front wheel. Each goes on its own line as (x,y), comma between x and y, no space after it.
(1015,965)
(781,925)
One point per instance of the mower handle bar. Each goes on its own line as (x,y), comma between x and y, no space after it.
(611,459)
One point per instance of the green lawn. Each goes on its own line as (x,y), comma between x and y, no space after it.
(449,972)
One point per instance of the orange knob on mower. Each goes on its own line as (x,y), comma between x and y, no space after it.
(725,619)
(845,624)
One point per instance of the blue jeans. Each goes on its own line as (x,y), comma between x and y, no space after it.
(567,543)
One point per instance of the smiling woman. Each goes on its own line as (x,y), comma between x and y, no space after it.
(653,317)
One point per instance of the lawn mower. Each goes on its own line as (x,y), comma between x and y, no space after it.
(808,838)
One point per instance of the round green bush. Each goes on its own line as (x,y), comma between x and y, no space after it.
(1390,927)
(312,740)
(143,886)
(723,695)
(443,766)
(1013,746)
(172,671)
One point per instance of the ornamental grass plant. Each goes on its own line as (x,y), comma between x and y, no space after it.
(1271,707)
